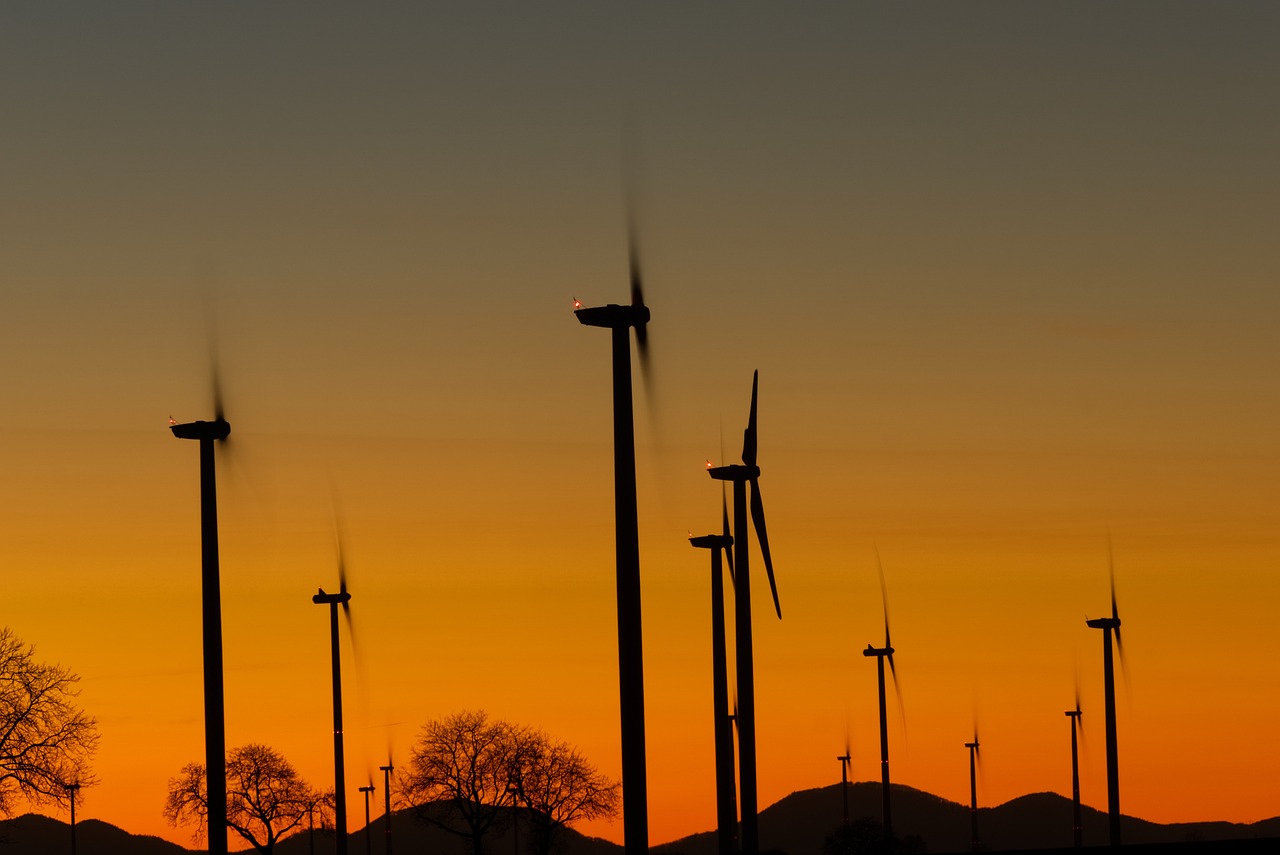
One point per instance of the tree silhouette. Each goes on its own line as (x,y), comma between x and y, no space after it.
(460,774)
(558,786)
(266,799)
(467,773)
(46,741)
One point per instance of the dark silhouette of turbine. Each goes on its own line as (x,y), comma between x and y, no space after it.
(973,790)
(386,792)
(621,320)
(1076,833)
(726,820)
(740,476)
(881,654)
(1111,626)
(368,838)
(215,737)
(342,598)
(844,779)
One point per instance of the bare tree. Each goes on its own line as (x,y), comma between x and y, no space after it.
(460,775)
(266,799)
(559,787)
(46,740)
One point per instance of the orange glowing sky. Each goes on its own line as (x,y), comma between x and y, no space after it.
(1008,273)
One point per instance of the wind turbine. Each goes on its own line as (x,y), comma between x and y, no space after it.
(342,598)
(973,789)
(621,319)
(740,475)
(1110,626)
(215,736)
(844,779)
(726,819)
(1074,715)
(386,791)
(368,839)
(881,654)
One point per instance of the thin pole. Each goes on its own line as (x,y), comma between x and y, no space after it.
(884,753)
(726,818)
(339,764)
(844,784)
(368,839)
(1113,763)
(215,739)
(746,677)
(973,795)
(386,790)
(75,791)
(1077,833)
(635,807)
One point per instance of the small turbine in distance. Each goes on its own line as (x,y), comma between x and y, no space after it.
(973,790)
(881,654)
(1074,715)
(844,779)
(342,598)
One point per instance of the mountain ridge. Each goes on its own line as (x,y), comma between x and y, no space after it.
(797,824)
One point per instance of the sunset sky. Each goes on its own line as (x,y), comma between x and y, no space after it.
(1008,271)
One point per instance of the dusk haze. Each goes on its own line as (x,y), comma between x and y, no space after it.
(981,297)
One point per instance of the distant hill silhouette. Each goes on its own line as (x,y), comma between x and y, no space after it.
(796,825)
(31,833)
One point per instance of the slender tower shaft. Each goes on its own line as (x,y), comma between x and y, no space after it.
(726,818)
(1076,832)
(386,791)
(215,738)
(635,799)
(746,677)
(884,753)
(1113,763)
(973,796)
(339,763)
(844,784)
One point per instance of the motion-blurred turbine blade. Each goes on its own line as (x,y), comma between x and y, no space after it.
(757,517)
(728,538)
(749,435)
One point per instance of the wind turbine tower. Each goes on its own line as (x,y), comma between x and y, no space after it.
(215,736)
(740,476)
(339,764)
(973,791)
(620,320)
(1111,626)
(726,818)
(1077,835)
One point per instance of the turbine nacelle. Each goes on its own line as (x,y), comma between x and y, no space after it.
(217,429)
(711,541)
(332,599)
(734,472)
(878,651)
(1103,623)
(614,316)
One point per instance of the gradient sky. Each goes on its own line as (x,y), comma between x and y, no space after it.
(1008,272)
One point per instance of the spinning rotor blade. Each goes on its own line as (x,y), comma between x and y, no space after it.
(728,549)
(749,435)
(1115,612)
(757,517)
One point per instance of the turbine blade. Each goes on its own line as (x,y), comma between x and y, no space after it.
(884,602)
(757,517)
(749,435)
(728,549)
